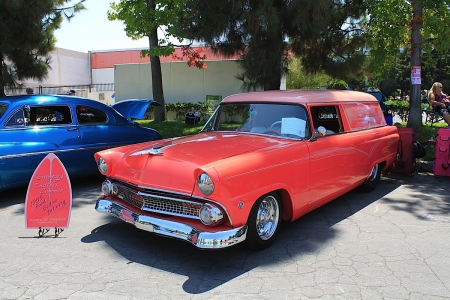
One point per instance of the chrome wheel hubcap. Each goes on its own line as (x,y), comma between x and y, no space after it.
(373,173)
(267,217)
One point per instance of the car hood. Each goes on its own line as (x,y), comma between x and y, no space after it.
(134,108)
(171,164)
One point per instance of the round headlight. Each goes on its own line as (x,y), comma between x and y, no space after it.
(102,165)
(210,214)
(205,184)
(107,187)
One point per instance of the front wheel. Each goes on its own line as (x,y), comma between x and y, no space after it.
(264,222)
(372,181)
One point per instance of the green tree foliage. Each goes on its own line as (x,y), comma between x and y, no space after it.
(389,29)
(26,38)
(418,26)
(143,18)
(446,85)
(336,45)
(388,87)
(297,78)
(438,71)
(326,34)
(337,85)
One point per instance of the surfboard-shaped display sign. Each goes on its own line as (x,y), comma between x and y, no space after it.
(49,197)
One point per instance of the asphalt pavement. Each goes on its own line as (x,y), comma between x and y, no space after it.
(392,243)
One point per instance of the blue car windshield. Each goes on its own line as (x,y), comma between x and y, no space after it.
(2,110)
(282,120)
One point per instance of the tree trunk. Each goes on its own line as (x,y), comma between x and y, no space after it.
(273,81)
(2,69)
(415,112)
(275,58)
(273,76)
(155,64)
(157,86)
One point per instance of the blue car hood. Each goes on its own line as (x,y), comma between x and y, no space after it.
(134,108)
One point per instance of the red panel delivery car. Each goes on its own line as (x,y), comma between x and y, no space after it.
(261,158)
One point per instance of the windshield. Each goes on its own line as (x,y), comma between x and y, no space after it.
(2,110)
(284,120)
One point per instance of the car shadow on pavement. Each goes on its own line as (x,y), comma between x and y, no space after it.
(425,196)
(208,269)
(12,197)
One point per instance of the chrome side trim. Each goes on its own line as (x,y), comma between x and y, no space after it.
(188,233)
(97,148)
(37,153)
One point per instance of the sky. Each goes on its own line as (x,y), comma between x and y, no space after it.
(90,30)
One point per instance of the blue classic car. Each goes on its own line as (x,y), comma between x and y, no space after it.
(31,126)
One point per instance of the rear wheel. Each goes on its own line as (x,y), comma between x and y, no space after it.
(264,222)
(372,181)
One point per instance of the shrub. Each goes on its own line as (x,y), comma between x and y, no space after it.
(399,108)
(181,109)
(337,85)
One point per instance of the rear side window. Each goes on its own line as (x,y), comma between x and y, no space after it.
(40,115)
(86,114)
(364,115)
(50,115)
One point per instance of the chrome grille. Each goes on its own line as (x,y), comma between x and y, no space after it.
(164,204)
(130,196)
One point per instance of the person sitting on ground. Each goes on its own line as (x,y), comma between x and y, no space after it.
(439,101)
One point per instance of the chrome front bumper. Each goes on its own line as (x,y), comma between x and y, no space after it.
(191,234)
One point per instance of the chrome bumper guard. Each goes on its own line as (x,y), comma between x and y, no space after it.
(193,235)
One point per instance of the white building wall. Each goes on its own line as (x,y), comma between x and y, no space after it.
(181,83)
(74,69)
(67,67)
(54,72)
(103,75)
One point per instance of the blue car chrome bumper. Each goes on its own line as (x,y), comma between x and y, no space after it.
(191,234)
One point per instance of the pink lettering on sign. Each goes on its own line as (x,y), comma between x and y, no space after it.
(49,197)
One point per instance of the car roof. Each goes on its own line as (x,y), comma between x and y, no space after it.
(48,100)
(302,96)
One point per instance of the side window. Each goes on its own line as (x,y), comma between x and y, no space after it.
(326,119)
(364,115)
(50,115)
(19,118)
(86,114)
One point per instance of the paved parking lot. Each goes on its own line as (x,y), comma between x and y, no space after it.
(393,243)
